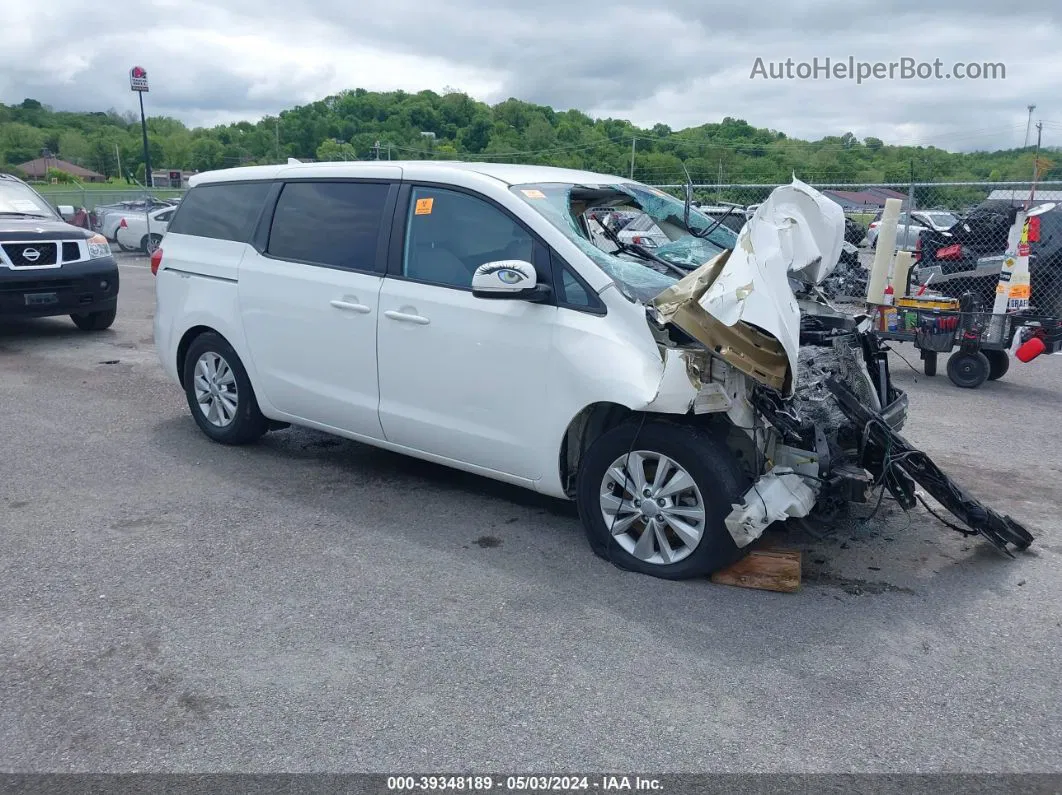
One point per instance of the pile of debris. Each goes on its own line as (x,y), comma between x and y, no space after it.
(812,399)
(848,280)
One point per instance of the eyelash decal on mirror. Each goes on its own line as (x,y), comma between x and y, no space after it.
(507,273)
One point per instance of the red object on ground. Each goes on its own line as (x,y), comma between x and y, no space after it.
(1030,350)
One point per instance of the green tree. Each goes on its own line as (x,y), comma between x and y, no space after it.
(336,150)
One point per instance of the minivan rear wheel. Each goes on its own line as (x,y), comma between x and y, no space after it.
(219,392)
(653,498)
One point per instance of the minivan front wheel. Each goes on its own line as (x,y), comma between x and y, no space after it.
(653,499)
(219,392)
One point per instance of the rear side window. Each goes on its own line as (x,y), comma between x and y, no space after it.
(224,211)
(329,223)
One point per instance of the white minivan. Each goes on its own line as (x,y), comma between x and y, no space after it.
(461,313)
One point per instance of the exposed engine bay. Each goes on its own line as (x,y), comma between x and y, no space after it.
(750,344)
(806,388)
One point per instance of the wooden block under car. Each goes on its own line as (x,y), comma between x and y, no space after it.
(767,569)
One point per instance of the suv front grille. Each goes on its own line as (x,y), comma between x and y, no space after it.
(29,255)
(71,252)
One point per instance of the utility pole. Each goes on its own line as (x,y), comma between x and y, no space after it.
(910,206)
(118,157)
(277,128)
(376,149)
(634,144)
(1028,125)
(1036,162)
(719,182)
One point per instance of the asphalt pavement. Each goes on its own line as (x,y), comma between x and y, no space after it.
(312,604)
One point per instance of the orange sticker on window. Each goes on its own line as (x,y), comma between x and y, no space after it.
(424,206)
(534,194)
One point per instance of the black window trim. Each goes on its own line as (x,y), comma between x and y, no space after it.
(265,223)
(560,265)
(539,248)
(221,182)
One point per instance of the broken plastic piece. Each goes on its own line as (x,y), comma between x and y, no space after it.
(780,494)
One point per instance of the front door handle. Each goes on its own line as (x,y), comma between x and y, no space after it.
(403,317)
(347,306)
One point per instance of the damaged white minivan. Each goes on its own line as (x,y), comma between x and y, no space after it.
(490,318)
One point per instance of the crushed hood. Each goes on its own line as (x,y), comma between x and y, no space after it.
(740,305)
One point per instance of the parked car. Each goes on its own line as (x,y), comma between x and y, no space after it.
(49,267)
(908,227)
(733,216)
(134,234)
(643,231)
(462,313)
(109,216)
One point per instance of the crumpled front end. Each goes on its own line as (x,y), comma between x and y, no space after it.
(806,389)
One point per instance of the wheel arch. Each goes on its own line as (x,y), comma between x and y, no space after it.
(583,430)
(187,339)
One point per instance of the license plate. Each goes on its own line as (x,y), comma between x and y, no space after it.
(41,299)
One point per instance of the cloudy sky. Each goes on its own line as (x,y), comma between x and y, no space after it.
(673,61)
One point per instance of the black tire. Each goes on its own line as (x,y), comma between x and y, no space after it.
(148,243)
(968,369)
(707,460)
(247,424)
(95,321)
(929,363)
(998,364)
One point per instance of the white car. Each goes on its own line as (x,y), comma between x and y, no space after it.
(143,231)
(909,227)
(461,313)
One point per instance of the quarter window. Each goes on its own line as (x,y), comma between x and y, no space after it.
(329,223)
(224,211)
(450,234)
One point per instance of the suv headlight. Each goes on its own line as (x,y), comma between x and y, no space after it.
(98,247)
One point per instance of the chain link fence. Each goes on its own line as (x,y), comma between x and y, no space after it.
(91,198)
(961,235)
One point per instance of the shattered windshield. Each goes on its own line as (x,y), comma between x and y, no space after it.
(591,216)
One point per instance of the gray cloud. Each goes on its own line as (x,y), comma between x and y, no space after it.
(681,62)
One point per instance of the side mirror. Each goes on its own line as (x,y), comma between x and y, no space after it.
(66,210)
(508,278)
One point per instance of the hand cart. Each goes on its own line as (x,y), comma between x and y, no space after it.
(939,324)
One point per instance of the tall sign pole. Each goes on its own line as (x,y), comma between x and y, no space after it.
(138,82)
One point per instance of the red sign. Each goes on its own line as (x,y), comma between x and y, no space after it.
(138,79)
(1023,249)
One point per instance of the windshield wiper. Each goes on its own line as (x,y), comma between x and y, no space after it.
(24,215)
(686,211)
(638,251)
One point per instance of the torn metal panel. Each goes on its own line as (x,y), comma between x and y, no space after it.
(741,305)
(748,349)
(678,387)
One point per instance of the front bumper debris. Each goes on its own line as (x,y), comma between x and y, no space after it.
(898,465)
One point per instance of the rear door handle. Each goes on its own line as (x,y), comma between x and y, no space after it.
(347,306)
(403,317)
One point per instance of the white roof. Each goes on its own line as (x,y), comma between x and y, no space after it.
(510,174)
(1023,195)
